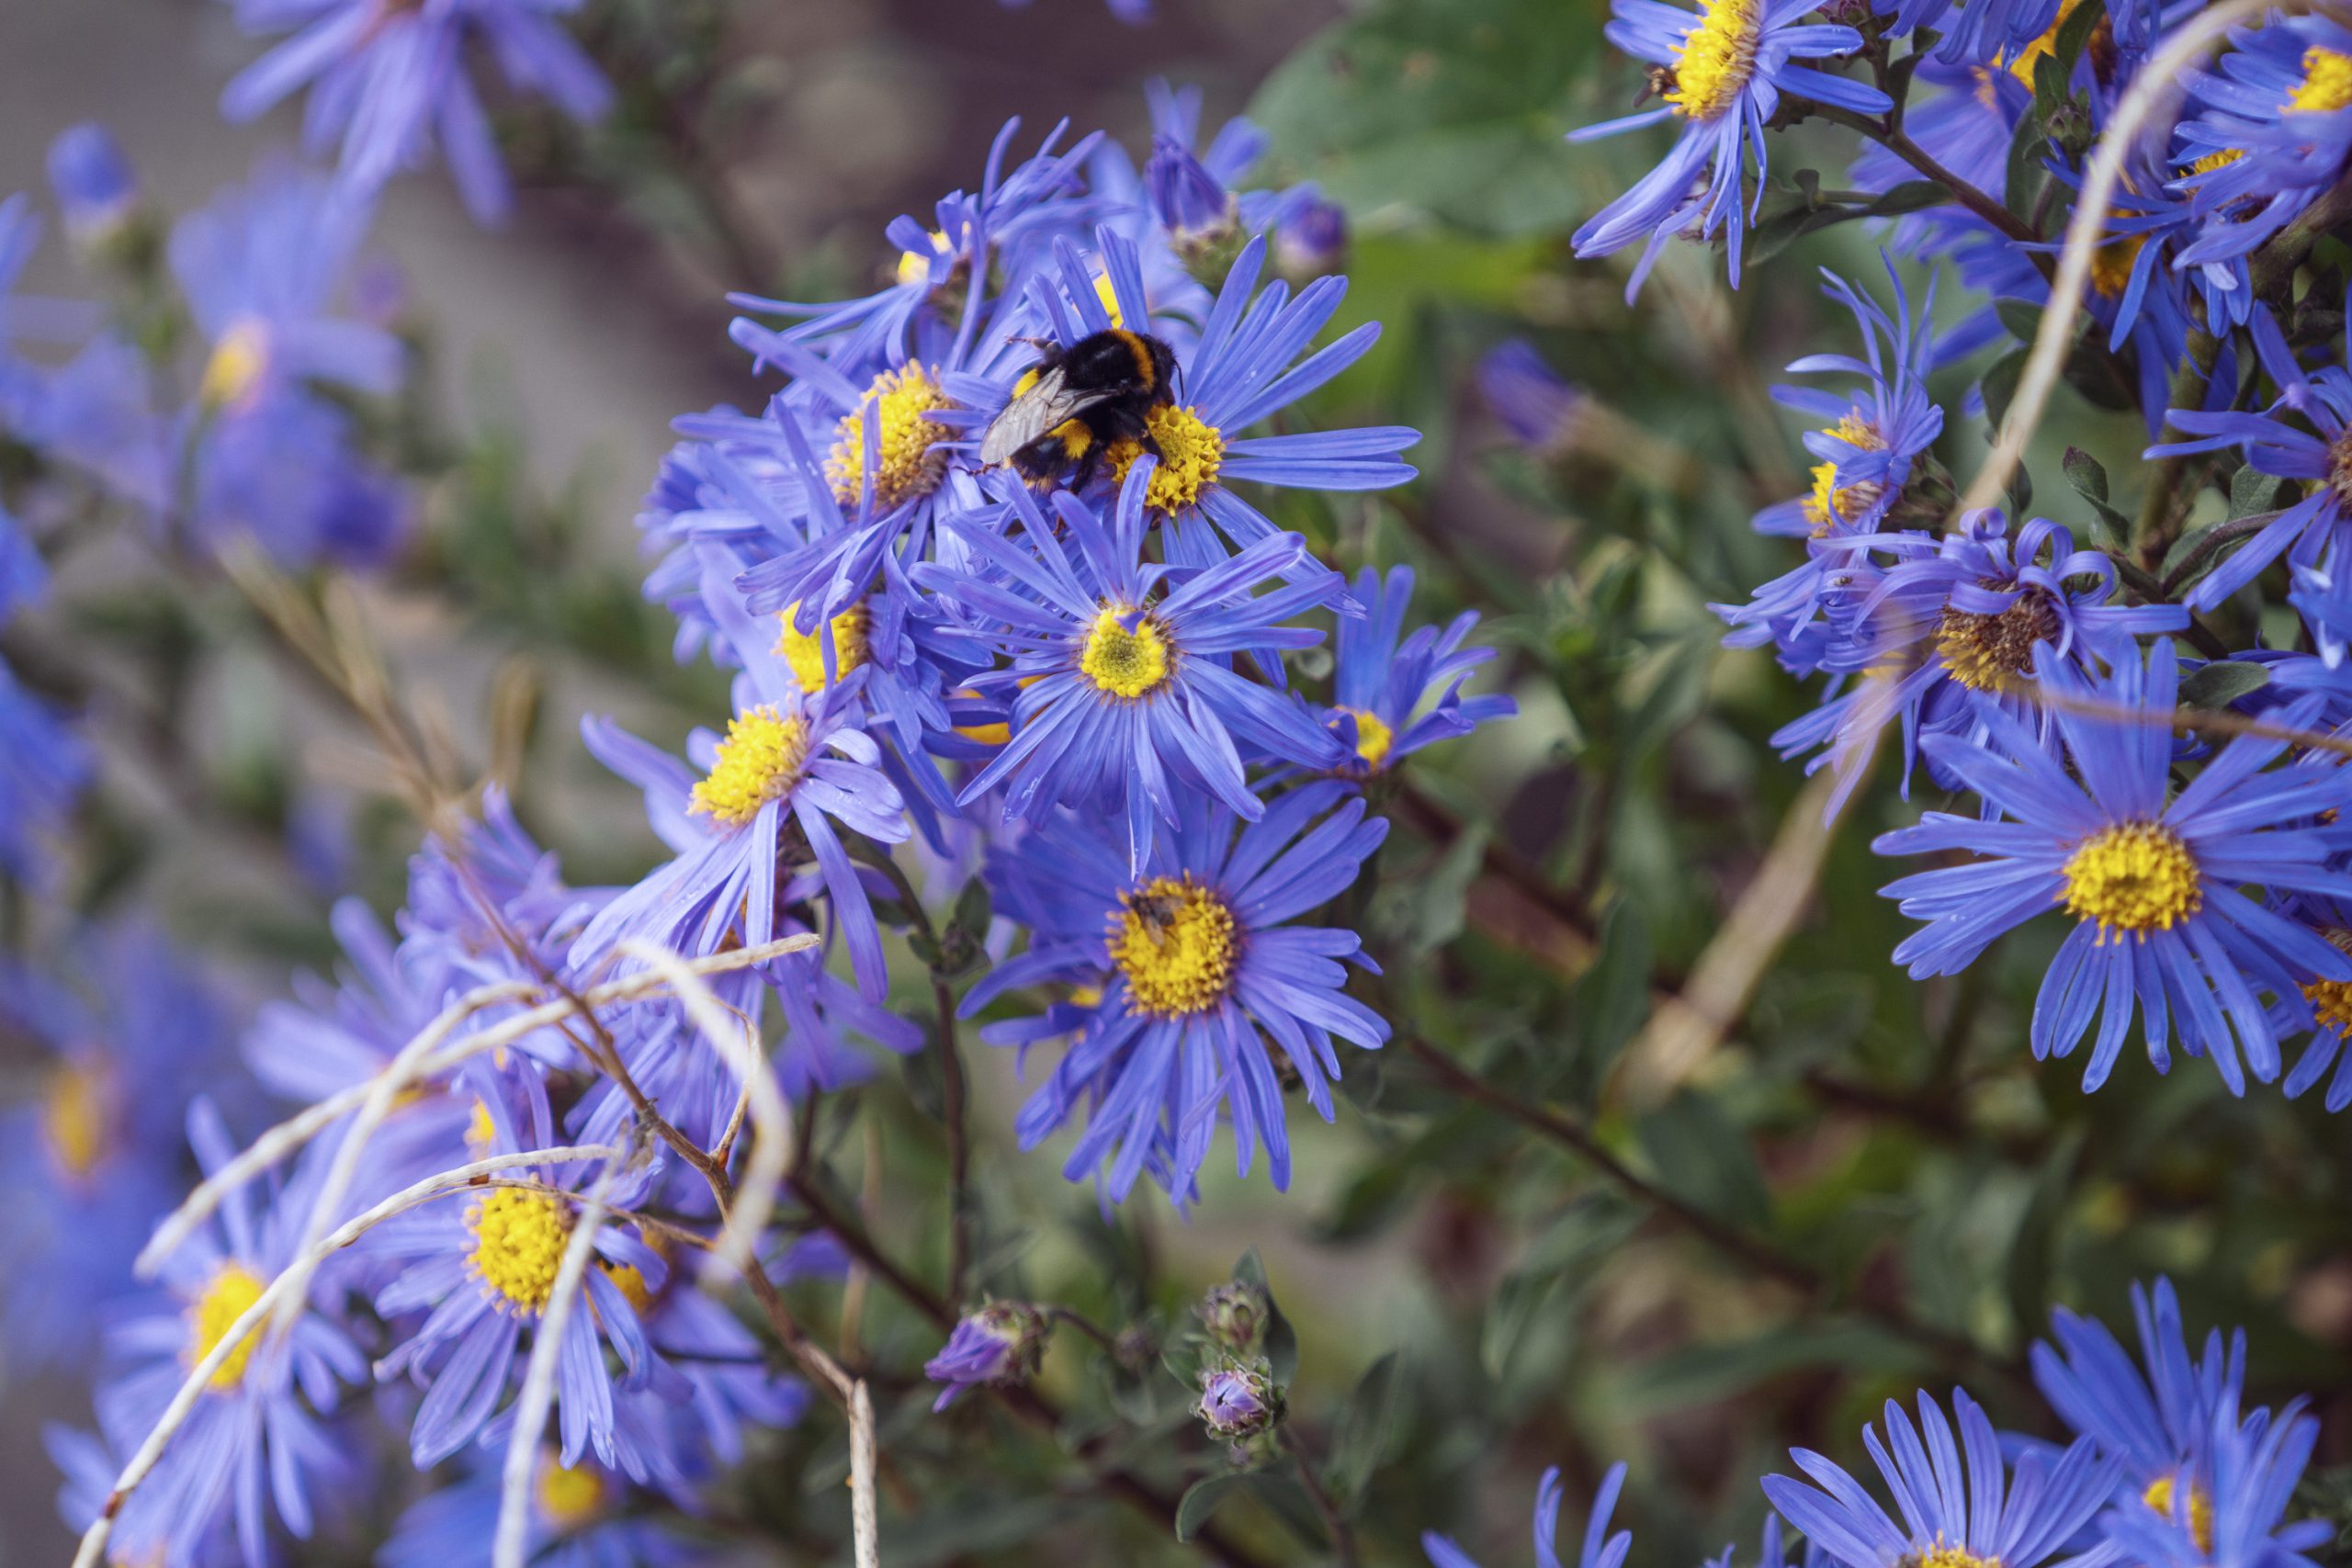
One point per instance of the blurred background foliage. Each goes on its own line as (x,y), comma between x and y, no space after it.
(1544,1232)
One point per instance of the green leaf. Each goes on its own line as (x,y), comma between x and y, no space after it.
(1371,1430)
(1711,1375)
(2222,682)
(2000,384)
(2252,492)
(1702,1156)
(1281,1339)
(1201,1500)
(2109,528)
(1450,109)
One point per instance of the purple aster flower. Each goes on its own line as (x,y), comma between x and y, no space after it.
(1310,236)
(1124,668)
(96,187)
(2016,1516)
(1391,699)
(580,1518)
(2266,134)
(2151,879)
(389,78)
(1209,999)
(2255,1466)
(791,765)
(1002,1343)
(1934,638)
(1731,62)
(729,1383)
(1239,1400)
(94,1158)
(254,1442)
(2311,532)
(2318,1003)
(482,1273)
(1601,1547)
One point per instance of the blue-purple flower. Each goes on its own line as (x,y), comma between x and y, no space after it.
(1193,995)
(1392,698)
(390,79)
(579,1517)
(1003,1342)
(1602,1547)
(2153,880)
(1731,62)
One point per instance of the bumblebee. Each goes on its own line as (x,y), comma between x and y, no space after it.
(1076,404)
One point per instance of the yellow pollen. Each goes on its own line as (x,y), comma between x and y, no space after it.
(74,1118)
(235,367)
(1121,660)
(519,1237)
(1718,58)
(1372,737)
(1985,652)
(760,760)
(1832,502)
(914,266)
(2212,161)
(1942,1556)
(2021,67)
(629,1279)
(909,465)
(1190,453)
(2326,86)
(1086,996)
(1109,296)
(805,651)
(2159,1496)
(480,1131)
(2134,877)
(2331,1004)
(227,1296)
(568,1499)
(1174,942)
(2112,265)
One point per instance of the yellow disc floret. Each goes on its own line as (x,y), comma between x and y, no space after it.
(2112,265)
(2159,1496)
(760,760)
(2020,66)
(73,1119)
(236,365)
(1175,943)
(2326,86)
(1717,59)
(1372,737)
(2331,1003)
(1942,1556)
(1192,451)
(1986,652)
(568,1499)
(519,1237)
(226,1297)
(910,460)
(1127,652)
(805,651)
(2134,877)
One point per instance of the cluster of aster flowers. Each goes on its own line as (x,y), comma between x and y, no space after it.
(2041,667)
(1076,698)
(2164,1465)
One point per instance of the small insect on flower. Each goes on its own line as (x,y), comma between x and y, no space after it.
(1076,404)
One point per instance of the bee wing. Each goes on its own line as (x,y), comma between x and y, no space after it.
(1033,413)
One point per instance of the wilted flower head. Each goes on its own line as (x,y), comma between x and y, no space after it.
(1002,1343)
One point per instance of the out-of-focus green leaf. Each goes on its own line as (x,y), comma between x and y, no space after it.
(1371,1429)
(1702,1156)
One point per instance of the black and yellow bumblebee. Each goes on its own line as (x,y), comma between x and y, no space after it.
(1076,404)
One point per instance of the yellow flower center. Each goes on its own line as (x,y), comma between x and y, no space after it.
(226,1297)
(2159,1496)
(2135,877)
(519,1237)
(629,1279)
(2326,86)
(235,366)
(1109,296)
(1372,737)
(1942,1556)
(2331,1004)
(2112,265)
(805,651)
(1190,453)
(2212,161)
(1174,942)
(568,1499)
(911,462)
(760,760)
(74,1118)
(914,266)
(2021,66)
(1125,661)
(1985,652)
(1717,59)
(480,1131)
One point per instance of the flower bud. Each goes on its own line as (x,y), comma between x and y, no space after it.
(1001,1343)
(1235,1315)
(1239,1401)
(1310,237)
(97,190)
